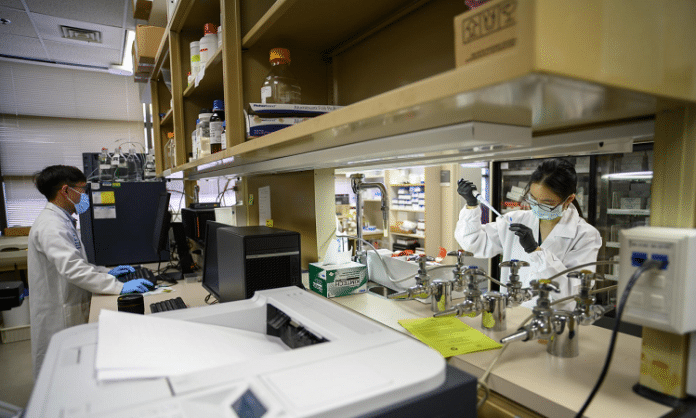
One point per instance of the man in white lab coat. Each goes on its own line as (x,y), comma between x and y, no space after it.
(61,280)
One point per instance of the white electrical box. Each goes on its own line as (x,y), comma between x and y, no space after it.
(661,299)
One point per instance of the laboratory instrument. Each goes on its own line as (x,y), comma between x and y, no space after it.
(357,184)
(347,366)
(116,229)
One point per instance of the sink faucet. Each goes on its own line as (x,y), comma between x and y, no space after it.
(473,303)
(440,290)
(516,294)
(357,184)
(586,310)
(542,325)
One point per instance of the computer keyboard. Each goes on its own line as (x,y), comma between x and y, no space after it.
(167,305)
(139,273)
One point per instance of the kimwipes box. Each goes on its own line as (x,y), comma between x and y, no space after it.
(334,280)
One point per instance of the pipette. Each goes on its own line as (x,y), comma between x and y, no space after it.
(489,206)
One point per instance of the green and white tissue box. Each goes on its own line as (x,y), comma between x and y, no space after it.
(334,280)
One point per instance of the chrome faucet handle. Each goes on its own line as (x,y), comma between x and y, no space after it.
(460,254)
(545,285)
(514,265)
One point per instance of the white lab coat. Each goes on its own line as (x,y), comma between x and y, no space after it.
(571,242)
(61,280)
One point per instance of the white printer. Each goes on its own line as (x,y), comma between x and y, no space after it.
(340,364)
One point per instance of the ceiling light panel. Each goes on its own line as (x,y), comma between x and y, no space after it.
(100,12)
(48,28)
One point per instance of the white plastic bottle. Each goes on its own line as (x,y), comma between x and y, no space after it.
(195,58)
(149,170)
(208,43)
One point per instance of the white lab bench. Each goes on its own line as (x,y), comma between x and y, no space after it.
(528,375)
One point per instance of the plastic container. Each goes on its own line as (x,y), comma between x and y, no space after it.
(216,121)
(171,150)
(203,128)
(223,136)
(149,170)
(105,172)
(280,85)
(195,58)
(208,43)
(17,316)
(114,163)
(134,166)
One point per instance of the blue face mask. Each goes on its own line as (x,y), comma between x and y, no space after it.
(546,214)
(81,206)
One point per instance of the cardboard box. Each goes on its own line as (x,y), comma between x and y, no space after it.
(142,9)
(147,42)
(338,280)
(257,126)
(497,27)
(17,231)
(631,203)
(293,110)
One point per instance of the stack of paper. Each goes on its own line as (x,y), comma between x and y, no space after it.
(132,346)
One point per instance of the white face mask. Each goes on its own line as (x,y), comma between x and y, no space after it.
(546,214)
(81,206)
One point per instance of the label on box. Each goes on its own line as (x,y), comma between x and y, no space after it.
(277,109)
(486,30)
(337,280)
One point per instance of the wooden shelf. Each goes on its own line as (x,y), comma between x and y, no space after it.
(211,83)
(408,210)
(319,25)
(162,54)
(399,234)
(629,212)
(167,119)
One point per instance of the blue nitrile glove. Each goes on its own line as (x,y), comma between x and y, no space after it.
(136,286)
(526,237)
(121,270)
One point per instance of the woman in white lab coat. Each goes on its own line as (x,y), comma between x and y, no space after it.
(61,280)
(552,236)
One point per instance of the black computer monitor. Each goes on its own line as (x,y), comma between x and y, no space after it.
(211,281)
(160,233)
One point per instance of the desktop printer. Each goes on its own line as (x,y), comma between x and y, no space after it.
(336,363)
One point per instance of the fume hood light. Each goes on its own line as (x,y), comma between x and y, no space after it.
(637,175)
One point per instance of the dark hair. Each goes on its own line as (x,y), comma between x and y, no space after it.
(559,176)
(52,178)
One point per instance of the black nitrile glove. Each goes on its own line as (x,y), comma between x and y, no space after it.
(466,190)
(526,237)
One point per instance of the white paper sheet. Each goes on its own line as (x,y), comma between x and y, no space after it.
(132,346)
(264,205)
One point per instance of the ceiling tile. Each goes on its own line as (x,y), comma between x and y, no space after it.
(21,24)
(14,4)
(102,12)
(82,53)
(48,28)
(21,46)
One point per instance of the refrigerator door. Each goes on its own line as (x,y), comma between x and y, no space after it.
(623,185)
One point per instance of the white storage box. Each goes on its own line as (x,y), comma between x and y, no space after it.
(14,334)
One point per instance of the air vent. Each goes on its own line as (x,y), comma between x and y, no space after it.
(78,34)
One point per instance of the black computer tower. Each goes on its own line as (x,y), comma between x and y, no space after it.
(194,221)
(119,225)
(252,258)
